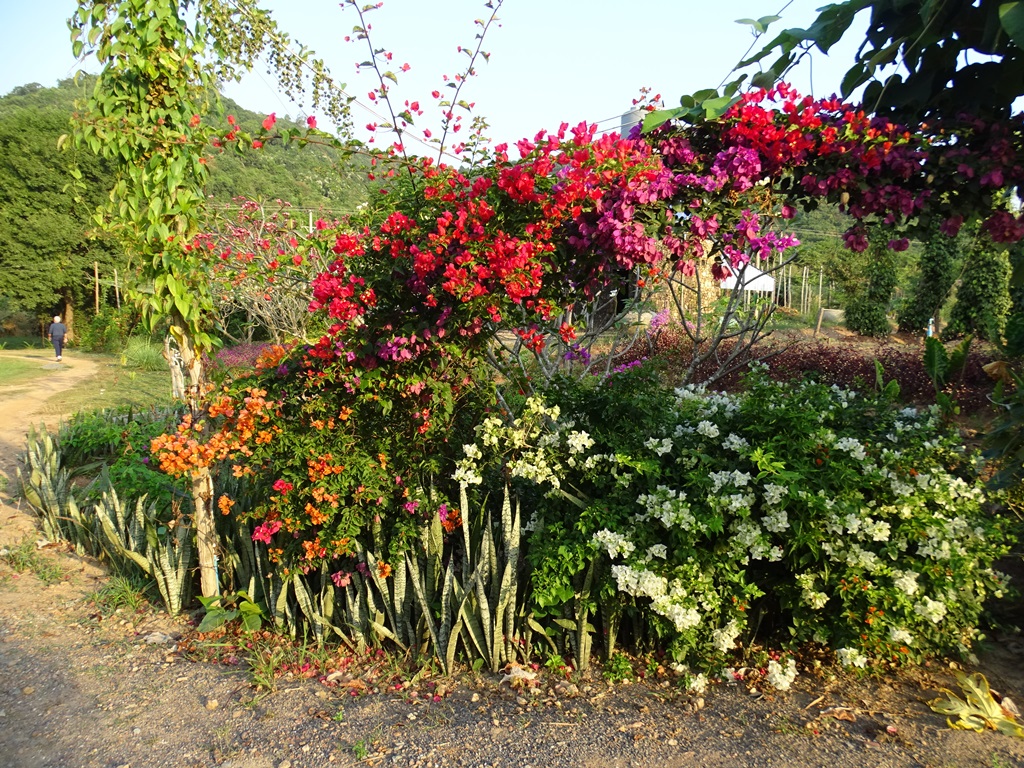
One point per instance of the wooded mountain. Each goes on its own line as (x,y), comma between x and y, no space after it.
(46,262)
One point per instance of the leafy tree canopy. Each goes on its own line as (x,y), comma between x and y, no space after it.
(919,58)
(50,244)
(47,259)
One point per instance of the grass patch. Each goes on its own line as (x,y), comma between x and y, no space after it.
(131,593)
(17,370)
(142,354)
(23,342)
(26,558)
(115,386)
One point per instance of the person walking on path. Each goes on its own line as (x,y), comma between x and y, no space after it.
(56,335)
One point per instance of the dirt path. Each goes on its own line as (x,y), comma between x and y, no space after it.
(21,408)
(86,687)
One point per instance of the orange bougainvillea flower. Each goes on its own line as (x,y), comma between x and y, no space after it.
(316,517)
(224,504)
(383,569)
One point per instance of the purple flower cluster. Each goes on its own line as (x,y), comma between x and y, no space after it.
(240,356)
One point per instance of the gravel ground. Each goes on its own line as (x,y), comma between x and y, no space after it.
(85,688)
(80,689)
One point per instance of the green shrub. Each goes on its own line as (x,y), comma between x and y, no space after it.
(867,311)
(107,331)
(983,296)
(119,440)
(803,512)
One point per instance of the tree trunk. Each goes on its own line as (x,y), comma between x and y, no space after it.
(69,315)
(206,532)
(188,361)
(177,374)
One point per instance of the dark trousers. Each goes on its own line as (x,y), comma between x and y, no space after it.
(58,345)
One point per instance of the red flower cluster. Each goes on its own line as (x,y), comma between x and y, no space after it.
(877,169)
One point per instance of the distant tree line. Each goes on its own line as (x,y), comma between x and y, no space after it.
(50,251)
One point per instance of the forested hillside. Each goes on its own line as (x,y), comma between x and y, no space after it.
(47,262)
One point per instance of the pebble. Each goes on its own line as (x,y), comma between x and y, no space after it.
(136,731)
(475,697)
(28,690)
(285,764)
(212,704)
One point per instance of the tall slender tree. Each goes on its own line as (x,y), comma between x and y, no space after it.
(939,268)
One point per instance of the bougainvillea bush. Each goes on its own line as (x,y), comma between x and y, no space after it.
(670,517)
(796,513)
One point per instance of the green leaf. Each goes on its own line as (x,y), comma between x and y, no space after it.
(251,622)
(758,27)
(715,108)
(1011,16)
(215,619)
(936,361)
(654,120)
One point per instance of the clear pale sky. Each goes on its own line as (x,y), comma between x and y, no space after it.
(551,60)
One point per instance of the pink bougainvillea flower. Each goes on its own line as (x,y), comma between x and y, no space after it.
(266,530)
(311,122)
(269,120)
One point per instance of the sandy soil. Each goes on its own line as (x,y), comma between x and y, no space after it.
(83,687)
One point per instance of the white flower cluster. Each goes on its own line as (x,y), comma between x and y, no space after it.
(724,638)
(813,598)
(529,440)
(657,550)
(719,403)
(932,610)
(639,583)
(690,392)
(905,581)
(773,493)
(466,470)
(578,442)
(852,446)
(614,543)
(660,447)
(682,616)
(697,684)
(900,636)
(776,521)
(851,657)
(665,602)
(734,477)
(534,466)
(781,676)
(669,507)
(708,429)
(734,442)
